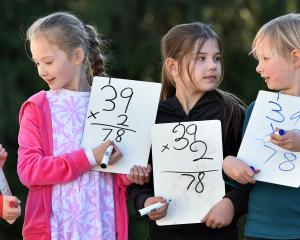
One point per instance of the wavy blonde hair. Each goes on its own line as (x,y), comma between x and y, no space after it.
(282,33)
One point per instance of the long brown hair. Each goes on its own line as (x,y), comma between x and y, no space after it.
(178,43)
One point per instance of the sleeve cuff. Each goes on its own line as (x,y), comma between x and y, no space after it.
(90,157)
(239,200)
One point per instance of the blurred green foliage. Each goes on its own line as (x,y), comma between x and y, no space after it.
(133,29)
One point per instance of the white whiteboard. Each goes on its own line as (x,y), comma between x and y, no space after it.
(182,152)
(122,111)
(277,165)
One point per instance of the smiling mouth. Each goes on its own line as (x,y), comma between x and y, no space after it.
(266,79)
(49,80)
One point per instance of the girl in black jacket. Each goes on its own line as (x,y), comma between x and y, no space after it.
(192,70)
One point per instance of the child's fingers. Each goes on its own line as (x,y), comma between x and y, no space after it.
(134,174)
(159,213)
(11,221)
(249,176)
(214,225)
(147,174)
(203,220)
(3,154)
(209,221)
(13,213)
(149,168)
(116,155)
(100,150)
(283,143)
(139,175)
(244,179)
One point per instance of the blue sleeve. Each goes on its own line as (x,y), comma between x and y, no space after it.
(247,116)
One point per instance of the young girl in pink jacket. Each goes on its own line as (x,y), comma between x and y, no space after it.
(66,200)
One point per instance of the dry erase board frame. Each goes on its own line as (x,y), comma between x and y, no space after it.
(123,111)
(187,168)
(277,165)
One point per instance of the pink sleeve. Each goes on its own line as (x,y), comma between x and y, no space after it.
(1,205)
(35,168)
(122,180)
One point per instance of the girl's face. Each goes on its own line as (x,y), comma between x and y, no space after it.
(53,65)
(277,71)
(202,71)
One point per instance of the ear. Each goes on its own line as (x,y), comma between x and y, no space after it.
(296,57)
(77,56)
(171,66)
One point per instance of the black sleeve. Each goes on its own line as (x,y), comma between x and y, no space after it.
(237,193)
(139,193)
(239,199)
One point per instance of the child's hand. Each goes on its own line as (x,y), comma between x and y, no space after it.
(238,170)
(3,156)
(289,141)
(11,213)
(140,175)
(219,215)
(100,150)
(159,213)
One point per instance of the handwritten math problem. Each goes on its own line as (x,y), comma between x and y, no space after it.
(110,105)
(122,111)
(276,115)
(187,156)
(271,112)
(182,141)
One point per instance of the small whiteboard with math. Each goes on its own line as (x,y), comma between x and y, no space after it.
(122,111)
(277,165)
(187,168)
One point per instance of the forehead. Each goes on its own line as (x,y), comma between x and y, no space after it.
(263,47)
(41,46)
(209,46)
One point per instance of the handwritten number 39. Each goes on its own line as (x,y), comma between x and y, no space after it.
(183,142)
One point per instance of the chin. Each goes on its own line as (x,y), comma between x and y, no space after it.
(54,87)
(272,87)
(211,88)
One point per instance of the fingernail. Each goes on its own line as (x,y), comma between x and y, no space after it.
(12,204)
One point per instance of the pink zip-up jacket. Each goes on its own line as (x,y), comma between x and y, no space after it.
(39,170)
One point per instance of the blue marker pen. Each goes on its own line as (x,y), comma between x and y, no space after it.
(280,132)
(252,168)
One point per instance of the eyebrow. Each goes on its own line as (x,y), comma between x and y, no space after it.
(206,53)
(43,58)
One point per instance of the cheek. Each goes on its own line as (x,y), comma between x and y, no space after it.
(219,69)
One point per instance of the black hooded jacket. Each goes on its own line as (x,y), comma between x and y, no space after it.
(207,108)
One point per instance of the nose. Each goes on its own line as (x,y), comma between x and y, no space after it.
(42,71)
(258,68)
(212,65)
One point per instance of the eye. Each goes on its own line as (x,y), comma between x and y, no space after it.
(48,62)
(217,58)
(266,58)
(201,58)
